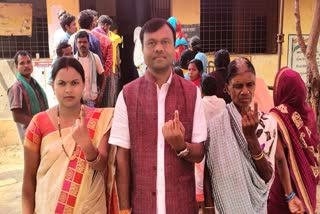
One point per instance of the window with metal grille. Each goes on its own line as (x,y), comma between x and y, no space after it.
(160,8)
(38,42)
(241,26)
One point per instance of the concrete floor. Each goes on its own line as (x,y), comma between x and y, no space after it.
(11,172)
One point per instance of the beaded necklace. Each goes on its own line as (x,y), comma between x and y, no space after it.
(73,156)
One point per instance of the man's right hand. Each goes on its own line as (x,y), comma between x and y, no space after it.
(173,132)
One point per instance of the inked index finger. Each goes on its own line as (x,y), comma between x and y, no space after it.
(176,116)
(82,115)
(243,111)
(255,110)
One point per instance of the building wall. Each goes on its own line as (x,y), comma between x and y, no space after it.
(266,65)
(8,130)
(188,12)
(289,27)
(107,6)
(7,77)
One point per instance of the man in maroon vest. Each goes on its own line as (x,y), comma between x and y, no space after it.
(159,128)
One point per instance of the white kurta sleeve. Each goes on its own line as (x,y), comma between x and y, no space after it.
(120,126)
(199,133)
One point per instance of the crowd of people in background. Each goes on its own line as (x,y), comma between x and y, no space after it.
(176,140)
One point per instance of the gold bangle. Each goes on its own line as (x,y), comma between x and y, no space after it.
(258,157)
(96,160)
(126,211)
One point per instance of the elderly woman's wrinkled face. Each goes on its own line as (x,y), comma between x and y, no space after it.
(241,87)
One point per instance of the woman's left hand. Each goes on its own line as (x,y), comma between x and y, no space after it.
(80,133)
(295,205)
(250,120)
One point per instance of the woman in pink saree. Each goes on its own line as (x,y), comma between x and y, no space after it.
(297,173)
(69,166)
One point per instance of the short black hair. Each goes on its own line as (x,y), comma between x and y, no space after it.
(85,19)
(221,58)
(195,43)
(178,71)
(93,12)
(81,34)
(66,19)
(21,53)
(209,86)
(61,13)
(186,56)
(198,64)
(104,19)
(153,25)
(61,46)
(233,67)
(114,26)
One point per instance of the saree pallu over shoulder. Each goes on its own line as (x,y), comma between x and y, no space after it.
(71,186)
(301,154)
(236,184)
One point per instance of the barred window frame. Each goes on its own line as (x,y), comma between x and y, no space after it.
(38,42)
(241,26)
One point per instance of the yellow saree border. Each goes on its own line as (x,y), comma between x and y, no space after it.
(294,163)
(74,174)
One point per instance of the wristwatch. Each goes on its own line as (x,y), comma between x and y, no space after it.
(184,152)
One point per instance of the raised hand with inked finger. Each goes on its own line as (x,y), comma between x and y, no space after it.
(173,132)
(80,132)
(250,121)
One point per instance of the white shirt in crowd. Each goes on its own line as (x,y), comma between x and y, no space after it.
(86,64)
